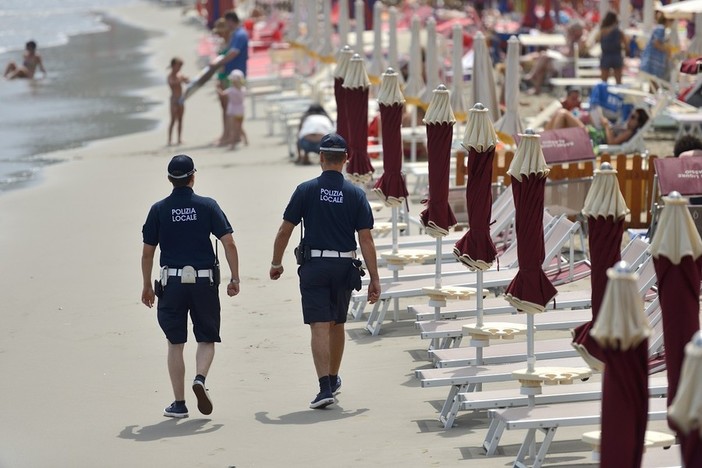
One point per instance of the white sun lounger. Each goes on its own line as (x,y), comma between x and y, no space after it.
(548,419)
(447,333)
(562,232)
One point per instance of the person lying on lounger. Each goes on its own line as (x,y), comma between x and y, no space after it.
(610,134)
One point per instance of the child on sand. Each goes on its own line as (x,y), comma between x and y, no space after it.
(31,60)
(235,108)
(175,82)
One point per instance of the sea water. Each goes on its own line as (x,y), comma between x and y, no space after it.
(95,67)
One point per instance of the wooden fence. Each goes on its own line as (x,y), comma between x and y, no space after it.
(635,174)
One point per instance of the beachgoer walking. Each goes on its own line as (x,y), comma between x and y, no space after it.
(237,55)
(613,43)
(31,60)
(654,58)
(177,107)
(181,225)
(332,211)
(236,94)
(221,30)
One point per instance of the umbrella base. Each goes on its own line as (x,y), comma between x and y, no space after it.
(651,439)
(531,382)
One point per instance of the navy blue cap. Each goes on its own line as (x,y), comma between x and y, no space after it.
(332,142)
(181,166)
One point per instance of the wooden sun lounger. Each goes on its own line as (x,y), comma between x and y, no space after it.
(548,419)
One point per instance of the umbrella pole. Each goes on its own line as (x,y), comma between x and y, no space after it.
(394,229)
(531,359)
(413,139)
(395,271)
(437,276)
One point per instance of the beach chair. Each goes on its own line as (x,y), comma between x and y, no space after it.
(636,143)
(548,419)
(538,121)
(449,332)
(468,379)
(562,232)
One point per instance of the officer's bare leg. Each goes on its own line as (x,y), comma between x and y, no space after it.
(203,358)
(176,369)
(320,347)
(337,338)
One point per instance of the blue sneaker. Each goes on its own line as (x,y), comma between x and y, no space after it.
(176,410)
(322,400)
(336,386)
(204,404)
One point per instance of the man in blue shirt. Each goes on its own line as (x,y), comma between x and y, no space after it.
(332,211)
(237,55)
(181,224)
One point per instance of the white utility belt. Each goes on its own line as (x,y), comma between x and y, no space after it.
(332,254)
(179,272)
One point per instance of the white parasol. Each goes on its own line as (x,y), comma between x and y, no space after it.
(680,237)
(343,23)
(312,38)
(360,14)
(393,60)
(483,78)
(459,104)
(293,31)
(648,15)
(377,64)
(510,123)
(694,48)
(624,13)
(325,50)
(431,63)
(415,80)
(686,409)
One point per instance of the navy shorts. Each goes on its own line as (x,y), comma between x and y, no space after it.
(201,300)
(324,289)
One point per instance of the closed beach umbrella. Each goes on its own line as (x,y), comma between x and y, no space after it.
(438,217)
(622,331)
(393,54)
(483,78)
(342,64)
(431,64)
(293,31)
(391,188)
(415,80)
(677,252)
(530,290)
(459,104)
(624,13)
(356,84)
(511,123)
(377,64)
(476,249)
(685,413)
(343,25)
(312,38)
(325,51)
(648,15)
(360,16)
(605,210)
(695,45)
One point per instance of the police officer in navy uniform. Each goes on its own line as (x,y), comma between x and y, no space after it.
(332,210)
(181,224)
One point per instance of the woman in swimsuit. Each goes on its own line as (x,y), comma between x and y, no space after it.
(30,62)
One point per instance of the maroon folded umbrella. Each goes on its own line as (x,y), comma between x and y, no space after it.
(677,257)
(477,244)
(621,331)
(359,164)
(530,286)
(391,186)
(683,413)
(438,217)
(342,127)
(604,240)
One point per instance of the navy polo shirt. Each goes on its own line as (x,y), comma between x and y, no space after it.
(333,209)
(181,224)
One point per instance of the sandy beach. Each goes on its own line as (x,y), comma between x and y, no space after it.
(84,361)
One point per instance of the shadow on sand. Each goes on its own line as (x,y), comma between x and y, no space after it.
(168,429)
(310,416)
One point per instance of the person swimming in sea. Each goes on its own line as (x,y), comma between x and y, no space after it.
(31,60)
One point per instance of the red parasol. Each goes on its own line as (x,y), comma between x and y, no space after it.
(677,257)
(605,209)
(476,248)
(342,64)
(438,218)
(356,84)
(391,187)
(530,290)
(622,332)
(685,412)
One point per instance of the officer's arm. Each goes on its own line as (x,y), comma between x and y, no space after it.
(365,239)
(147,265)
(232,256)
(281,242)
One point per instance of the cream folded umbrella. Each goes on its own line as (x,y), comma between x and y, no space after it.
(343,25)
(459,104)
(360,14)
(483,78)
(342,64)
(622,332)
(510,123)
(393,57)
(431,63)
(312,38)
(325,51)
(415,79)
(685,413)
(377,63)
